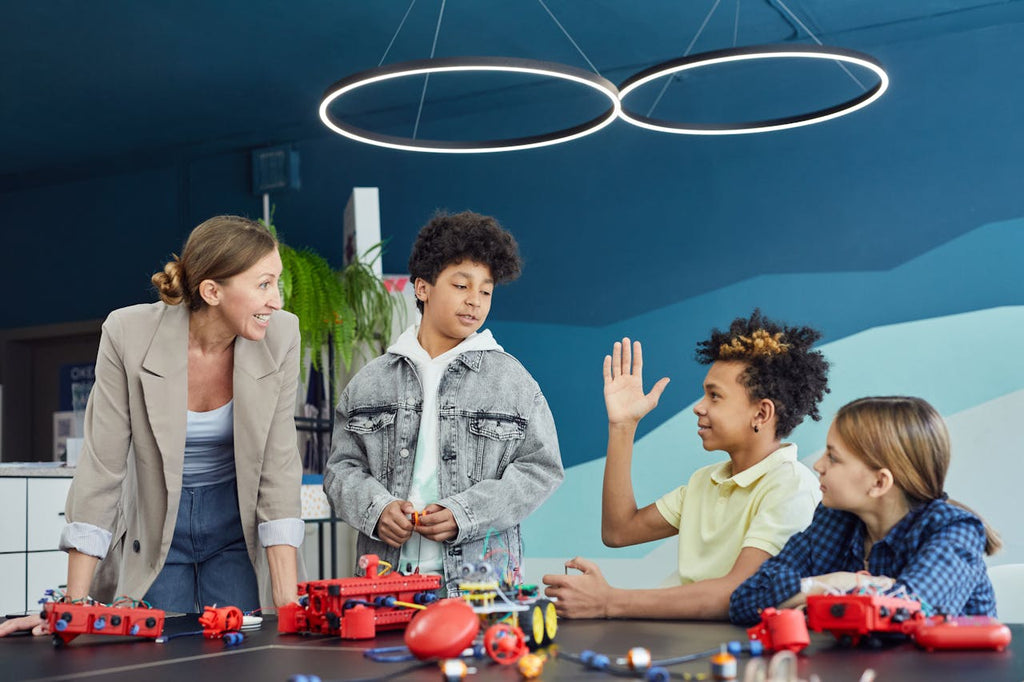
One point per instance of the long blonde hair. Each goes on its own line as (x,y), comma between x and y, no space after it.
(909,437)
(217,249)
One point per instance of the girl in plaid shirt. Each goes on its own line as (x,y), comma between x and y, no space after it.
(884,522)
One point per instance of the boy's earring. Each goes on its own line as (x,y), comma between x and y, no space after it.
(756,430)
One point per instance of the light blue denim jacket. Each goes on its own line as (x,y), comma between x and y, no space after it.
(499,457)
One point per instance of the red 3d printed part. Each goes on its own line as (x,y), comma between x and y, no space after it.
(851,617)
(218,621)
(67,621)
(781,630)
(356,608)
(961,632)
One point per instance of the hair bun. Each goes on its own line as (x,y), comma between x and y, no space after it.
(170,283)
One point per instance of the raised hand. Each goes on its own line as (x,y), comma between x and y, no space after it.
(624,396)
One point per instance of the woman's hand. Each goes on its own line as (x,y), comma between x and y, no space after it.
(33,622)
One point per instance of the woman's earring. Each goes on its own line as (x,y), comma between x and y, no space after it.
(756,430)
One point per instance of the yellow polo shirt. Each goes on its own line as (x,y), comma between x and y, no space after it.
(719,514)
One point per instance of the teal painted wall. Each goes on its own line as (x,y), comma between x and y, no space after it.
(896,230)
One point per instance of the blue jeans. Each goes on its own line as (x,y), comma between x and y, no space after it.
(208,563)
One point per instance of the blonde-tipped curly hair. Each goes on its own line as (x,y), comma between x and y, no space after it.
(780,365)
(758,343)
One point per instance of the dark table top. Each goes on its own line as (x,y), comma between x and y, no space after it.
(265,655)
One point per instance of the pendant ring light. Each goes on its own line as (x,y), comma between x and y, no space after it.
(458,64)
(737,54)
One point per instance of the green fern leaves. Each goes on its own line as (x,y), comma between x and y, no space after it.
(338,309)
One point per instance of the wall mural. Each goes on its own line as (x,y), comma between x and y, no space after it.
(942,326)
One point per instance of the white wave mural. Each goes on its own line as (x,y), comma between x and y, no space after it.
(968,365)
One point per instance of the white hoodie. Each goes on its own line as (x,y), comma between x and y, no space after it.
(418,551)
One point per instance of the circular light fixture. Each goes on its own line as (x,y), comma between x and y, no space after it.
(455,64)
(747,54)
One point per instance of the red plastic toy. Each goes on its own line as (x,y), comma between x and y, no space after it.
(851,617)
(218,621)
(443,630)
(780,630)
(504,643)
(961,632)
(67,621)
(356,608)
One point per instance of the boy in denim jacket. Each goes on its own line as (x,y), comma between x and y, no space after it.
(445,443)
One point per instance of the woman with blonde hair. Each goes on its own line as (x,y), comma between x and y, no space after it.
(885,522)
(188,484)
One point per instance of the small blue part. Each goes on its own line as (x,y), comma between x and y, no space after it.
(756,647)
(586,656)
(61,625)
(734,648)
(134,630)
(233,638)
(99,624)
(303,678)
(600,661)
(657,674)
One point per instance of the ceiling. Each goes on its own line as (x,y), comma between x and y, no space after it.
(119,83)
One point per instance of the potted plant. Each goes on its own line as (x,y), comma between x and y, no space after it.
(342,311)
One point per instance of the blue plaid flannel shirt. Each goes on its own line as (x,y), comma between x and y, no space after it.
(935,553)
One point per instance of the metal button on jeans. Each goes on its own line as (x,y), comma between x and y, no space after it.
(404,452)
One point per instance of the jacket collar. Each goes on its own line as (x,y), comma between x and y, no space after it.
(164,380)
(470,352)
(723,474)
(168,352)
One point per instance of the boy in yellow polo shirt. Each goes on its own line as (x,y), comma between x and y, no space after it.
(730,517)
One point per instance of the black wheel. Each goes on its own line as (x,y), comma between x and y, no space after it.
(531,622)
(539,624)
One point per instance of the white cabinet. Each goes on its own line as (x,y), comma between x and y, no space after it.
(12,521)
(46,571)
(46,497)
(30,528)
(12,587)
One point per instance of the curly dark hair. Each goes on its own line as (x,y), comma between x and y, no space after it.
(451,238)
(780,365)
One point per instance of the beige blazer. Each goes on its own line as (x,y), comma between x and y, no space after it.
(128,479)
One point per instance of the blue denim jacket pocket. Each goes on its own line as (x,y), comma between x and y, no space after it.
(493,439)
(374,427)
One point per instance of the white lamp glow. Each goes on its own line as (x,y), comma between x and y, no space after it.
(746,54)
(459,64)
